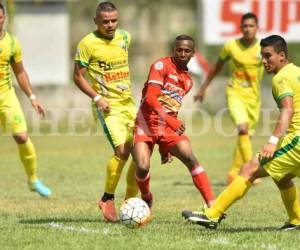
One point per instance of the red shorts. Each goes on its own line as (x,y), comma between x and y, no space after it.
(153,133)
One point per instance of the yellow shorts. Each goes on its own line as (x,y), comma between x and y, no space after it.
(243,109)
(12,119)
(286,159)
(118,125)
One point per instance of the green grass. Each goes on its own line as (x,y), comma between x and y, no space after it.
(75,166)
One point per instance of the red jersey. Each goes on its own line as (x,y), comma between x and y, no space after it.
(175,84)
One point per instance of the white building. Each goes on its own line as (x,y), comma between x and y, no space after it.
(43,30)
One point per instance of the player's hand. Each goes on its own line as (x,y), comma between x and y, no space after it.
(200,96)
(103,105)
(166,158)
(181,129)
(267,151)
(175,124)
(38,107)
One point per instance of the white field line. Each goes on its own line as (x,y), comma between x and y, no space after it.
(226,242)
(104,231)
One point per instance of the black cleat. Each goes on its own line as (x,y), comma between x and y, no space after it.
(194,216)
(201,219)
(289,227)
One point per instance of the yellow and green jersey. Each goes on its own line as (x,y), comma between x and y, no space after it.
(10,52)
(107,64)
(245,66)
(287,83)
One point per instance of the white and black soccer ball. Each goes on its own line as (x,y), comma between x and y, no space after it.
(134,213)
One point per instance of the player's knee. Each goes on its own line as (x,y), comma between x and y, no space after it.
(142,170)
(243,129)
(123,154)
(21,138)
(249,169)
(285,183)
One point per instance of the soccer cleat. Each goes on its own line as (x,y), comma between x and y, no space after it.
(108,210)
(148,199)
(200,218)
(289,227)
(40,188)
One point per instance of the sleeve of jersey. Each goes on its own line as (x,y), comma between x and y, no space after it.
(281,88)
(225,52)
(83,54)
(156,74)
(151,100)
(17,57)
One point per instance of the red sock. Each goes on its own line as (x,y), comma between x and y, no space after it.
(144,185)
(201,182)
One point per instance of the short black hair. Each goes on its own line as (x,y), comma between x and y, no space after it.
(277,42)
(2,8)
(249,15)
(105,7)
(185,37)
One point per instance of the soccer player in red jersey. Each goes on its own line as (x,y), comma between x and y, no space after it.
(168,82)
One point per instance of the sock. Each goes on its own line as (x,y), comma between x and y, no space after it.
(132,188)
(201,182)
(107,197)
(290,201)
(236,164)
(245,147)
(28,158)
(144,185)
(236,190)
(113,172)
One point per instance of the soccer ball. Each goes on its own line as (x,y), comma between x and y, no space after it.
(134,213)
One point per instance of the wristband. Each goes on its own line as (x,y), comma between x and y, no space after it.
(97,98)
(32,97)
(273,140)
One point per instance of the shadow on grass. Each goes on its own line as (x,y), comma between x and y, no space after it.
(248,229)
(215,184)
(238,229)
(57,220)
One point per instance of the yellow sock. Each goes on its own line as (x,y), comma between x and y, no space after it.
(113,172)
(290,201)
(236,190)
(245,147)
(132,188)
(28,158)
(236,164)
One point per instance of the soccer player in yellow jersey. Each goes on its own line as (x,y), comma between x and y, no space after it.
(103,54)
(12,119)
(280,156)
(243,88)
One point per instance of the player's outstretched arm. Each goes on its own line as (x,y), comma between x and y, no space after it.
(214,70)
(23,81)
(84,86)
(283,122)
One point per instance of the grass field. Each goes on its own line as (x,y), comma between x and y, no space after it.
(74,167)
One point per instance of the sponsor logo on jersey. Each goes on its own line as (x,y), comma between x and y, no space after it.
(244,76)
(105,66)
(159,65)
(122,87)
(175,78)
(116,76)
